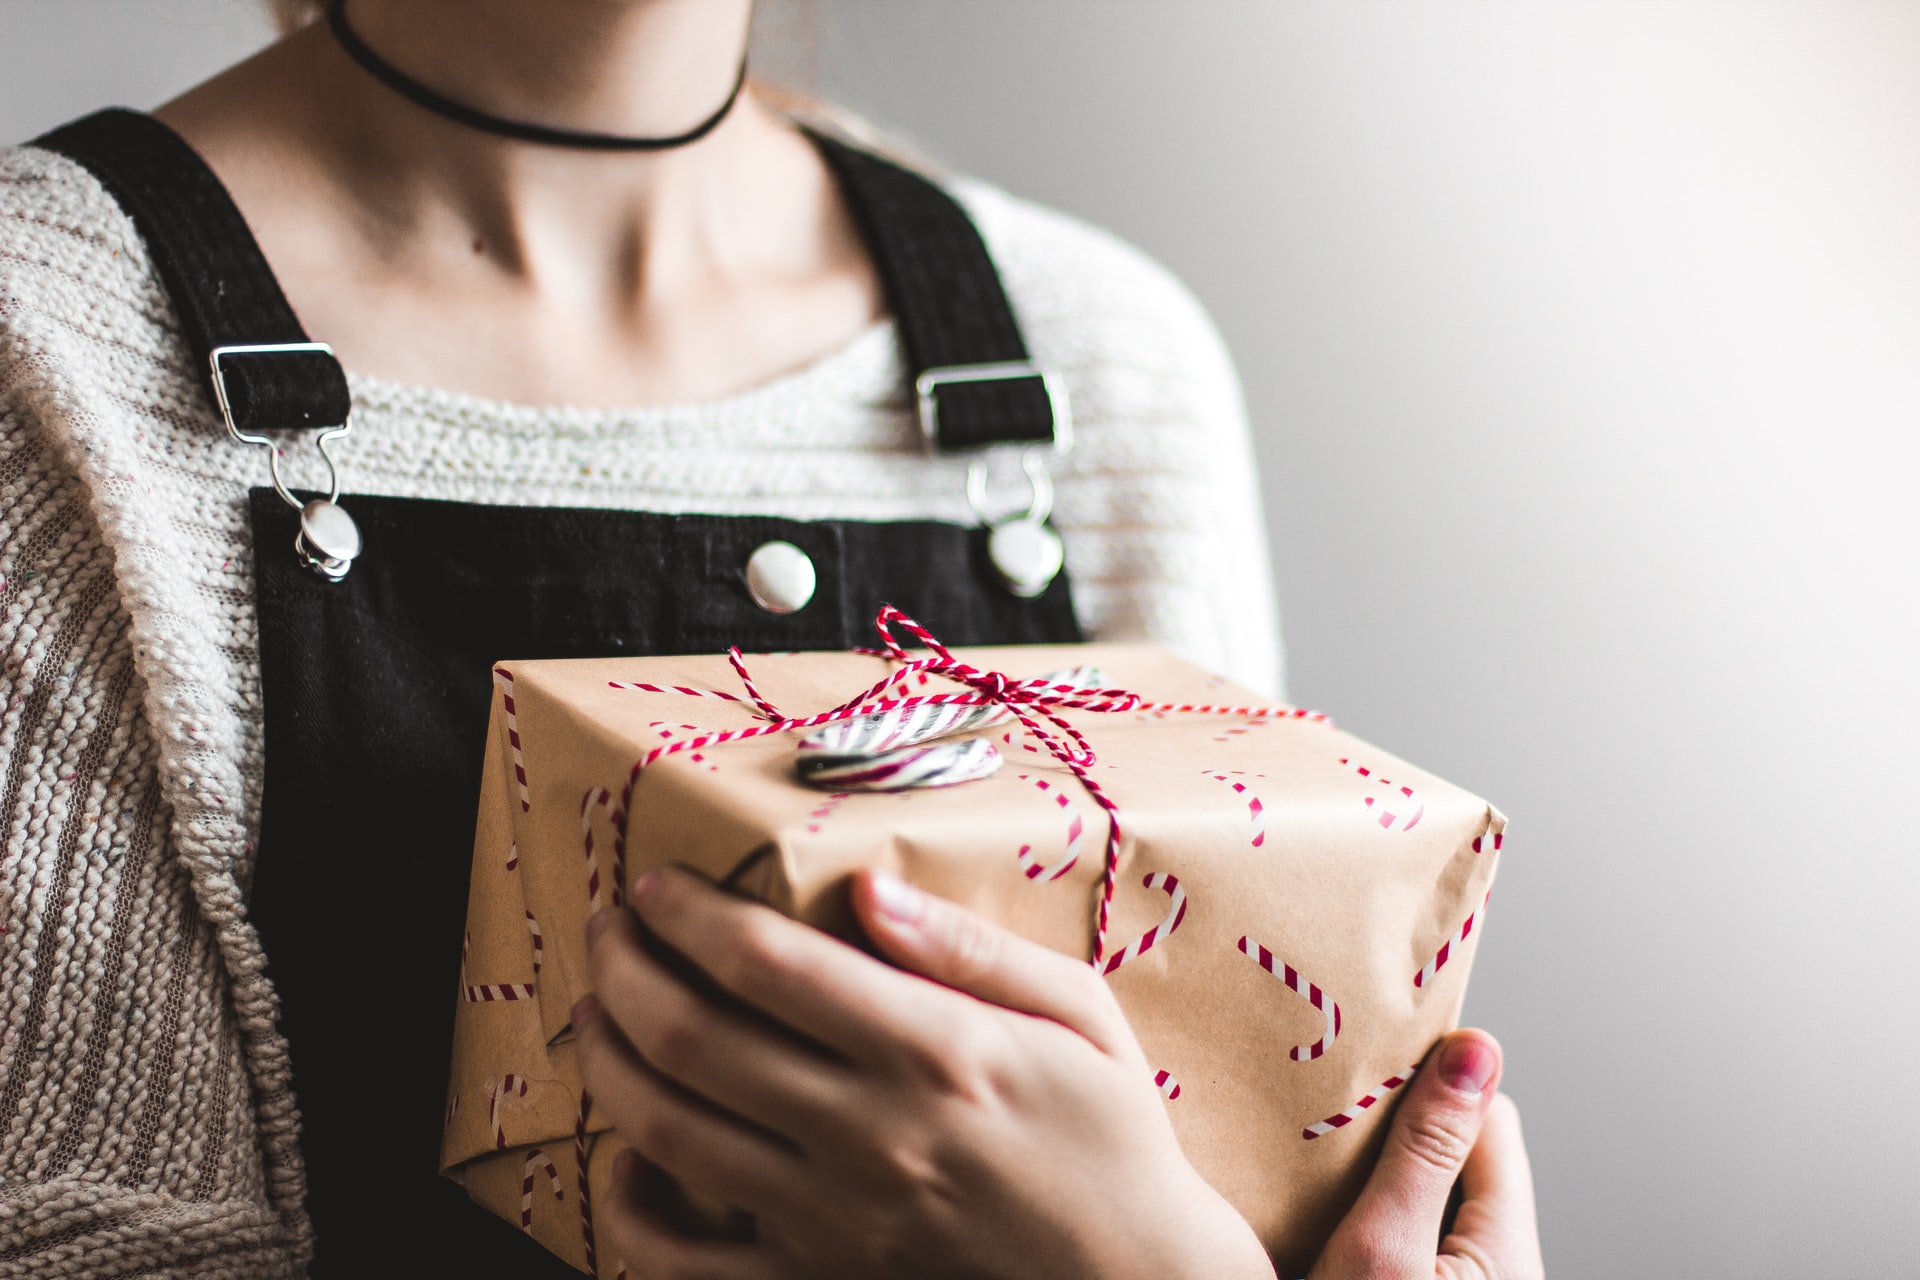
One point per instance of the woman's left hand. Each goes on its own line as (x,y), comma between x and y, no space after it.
(981,1110)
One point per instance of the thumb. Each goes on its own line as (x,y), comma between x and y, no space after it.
(959,949)
(1393,1230)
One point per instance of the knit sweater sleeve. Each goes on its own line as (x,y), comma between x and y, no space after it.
(127,1129)
(1159,502)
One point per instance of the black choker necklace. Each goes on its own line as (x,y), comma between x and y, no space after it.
(401,83)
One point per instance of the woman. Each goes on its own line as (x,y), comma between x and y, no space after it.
(416,174)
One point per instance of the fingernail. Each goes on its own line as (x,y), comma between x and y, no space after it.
(643,887)
(597,924)
(584,1010)
(898,900)
(1467,1063)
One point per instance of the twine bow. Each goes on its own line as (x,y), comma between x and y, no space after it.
(1036,704)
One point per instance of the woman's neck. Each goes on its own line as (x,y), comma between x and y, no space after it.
(636,67)
(433,251)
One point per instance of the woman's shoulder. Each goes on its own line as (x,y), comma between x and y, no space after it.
(58,224)
(1086,296)
(79,297)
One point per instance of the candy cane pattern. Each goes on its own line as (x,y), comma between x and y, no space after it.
(1352,1113)
(477,993)
(669,732)
(586,1193)
(1406,808)
(1029,864)
(1230,734)
(539,945)
(1313,995)
(1176,912)
(825,811)
(504,678)
(1256,812)
(536,1158)
(1441,956)
(601,798)
(506,1086)
(1168,1086)
(1020,741)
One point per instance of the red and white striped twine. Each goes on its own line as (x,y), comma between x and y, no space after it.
(1176,912)
(1320,1128)
(535,1159)
(1313,995)
(480,992)
(1029,863)
(1445,952)
(1399,810)
(1492,840)
(504,678)
(513,856)
(681,689)
(1168,1086)
(1256,812)
(1034,703)
(507,1086)
(539,945)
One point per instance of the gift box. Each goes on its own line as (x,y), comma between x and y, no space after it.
(1291,920)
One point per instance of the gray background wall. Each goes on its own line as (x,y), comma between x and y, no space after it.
(1582,347)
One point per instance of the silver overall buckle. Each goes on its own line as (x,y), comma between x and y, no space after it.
(328,539)
(1025,552)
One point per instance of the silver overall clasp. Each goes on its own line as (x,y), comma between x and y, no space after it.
(328,539)
(1026,553)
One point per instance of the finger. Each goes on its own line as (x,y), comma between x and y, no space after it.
(966,951)
(643,1240)
(741,1063)
(814,983)
(691,1139)
(1391,1231)
(1496,1230)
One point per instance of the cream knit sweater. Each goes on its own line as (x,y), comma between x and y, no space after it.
(146,1124)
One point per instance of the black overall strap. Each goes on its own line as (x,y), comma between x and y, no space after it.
(951,311)
(953,315)
(206,255)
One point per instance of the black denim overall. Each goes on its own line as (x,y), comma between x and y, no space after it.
(377,687)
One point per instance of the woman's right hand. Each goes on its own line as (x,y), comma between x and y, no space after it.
(1452,1127)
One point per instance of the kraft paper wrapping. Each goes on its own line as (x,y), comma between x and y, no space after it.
(1316,904)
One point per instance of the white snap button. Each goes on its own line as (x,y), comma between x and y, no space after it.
(780,577)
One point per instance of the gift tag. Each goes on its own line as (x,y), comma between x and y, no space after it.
(938,764)
(902,727)
(905,726)
(1026,554)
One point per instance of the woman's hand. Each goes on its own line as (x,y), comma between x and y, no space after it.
(1451,1128)
(990,1116)
(981,1110)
